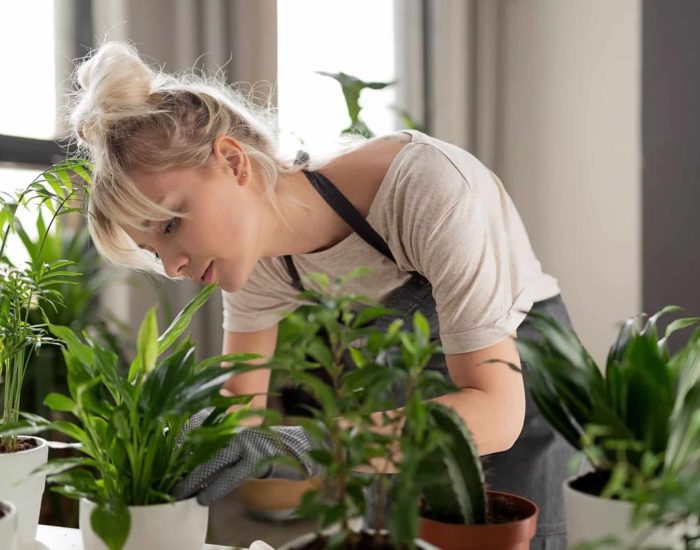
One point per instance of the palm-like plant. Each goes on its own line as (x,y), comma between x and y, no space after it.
(638,422)
(32,287)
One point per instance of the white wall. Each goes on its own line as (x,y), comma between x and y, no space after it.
(571,150)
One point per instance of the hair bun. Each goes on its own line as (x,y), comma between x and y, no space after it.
(115,83)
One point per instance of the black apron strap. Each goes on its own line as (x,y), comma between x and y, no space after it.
(345,209)
(294,274)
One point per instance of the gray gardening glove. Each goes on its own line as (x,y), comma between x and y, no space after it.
(241,458)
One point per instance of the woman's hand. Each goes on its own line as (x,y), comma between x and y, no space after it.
(241,459)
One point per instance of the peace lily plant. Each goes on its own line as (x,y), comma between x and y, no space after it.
(134,434)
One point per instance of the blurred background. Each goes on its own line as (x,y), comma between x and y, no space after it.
(587,109)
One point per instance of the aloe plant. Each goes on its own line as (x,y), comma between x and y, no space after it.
(132,438)
(459,496)
(638,422)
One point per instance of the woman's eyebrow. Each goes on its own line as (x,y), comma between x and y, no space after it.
(145,224)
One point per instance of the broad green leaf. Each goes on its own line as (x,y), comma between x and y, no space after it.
(147,348)
(112,523)
(75,347)
(58,402)
(182,321)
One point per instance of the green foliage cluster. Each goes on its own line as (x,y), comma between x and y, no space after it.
(133,435)
(638,421)
(29,291)
(370,370)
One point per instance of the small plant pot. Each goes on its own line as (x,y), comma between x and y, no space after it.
(179,525)
(591,518)
(274,499)
(8,525)
(23,490)
(515,528)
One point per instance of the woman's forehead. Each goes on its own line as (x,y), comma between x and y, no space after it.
(157,184)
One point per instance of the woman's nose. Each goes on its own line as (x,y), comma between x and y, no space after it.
(174,264)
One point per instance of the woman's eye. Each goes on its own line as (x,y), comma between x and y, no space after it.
(170,226)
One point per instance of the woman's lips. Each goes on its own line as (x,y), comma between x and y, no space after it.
(208,274)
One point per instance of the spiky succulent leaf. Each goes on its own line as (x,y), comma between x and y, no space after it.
(461,496)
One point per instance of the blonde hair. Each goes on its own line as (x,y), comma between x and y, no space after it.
(128,117)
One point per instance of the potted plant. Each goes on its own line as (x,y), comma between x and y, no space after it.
(45,369)
(8,525)
(353,440)
(135,439)
(388,462)
(24,290)
(638,424)
(457,512)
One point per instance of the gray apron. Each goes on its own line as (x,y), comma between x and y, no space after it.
(537,464)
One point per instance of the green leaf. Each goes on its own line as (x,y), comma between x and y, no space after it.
(182,321)
(147,347)
(111,522)
(58,402)
(76,348)
(229,358)
(357,357)
(421,325)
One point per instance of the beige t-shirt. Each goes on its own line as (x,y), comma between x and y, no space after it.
(442,214)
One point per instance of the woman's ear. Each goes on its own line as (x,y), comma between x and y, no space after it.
(228,152)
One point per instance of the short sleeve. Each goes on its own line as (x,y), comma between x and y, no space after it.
(454,229)
(263,301)
(467,261)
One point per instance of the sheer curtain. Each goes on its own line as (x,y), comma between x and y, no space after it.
(449,49)
(236,36)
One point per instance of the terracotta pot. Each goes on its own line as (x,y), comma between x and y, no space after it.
(8,526)
(511,535)
(274,499)
(23,490)
(179,525)
(591,518)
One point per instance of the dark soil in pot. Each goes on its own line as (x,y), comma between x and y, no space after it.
(2,513)
(22,445)
(591,483)
(501,509)
(359,541)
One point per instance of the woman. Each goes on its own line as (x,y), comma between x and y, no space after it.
(187,181)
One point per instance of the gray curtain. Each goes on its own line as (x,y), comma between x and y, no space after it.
(462,71)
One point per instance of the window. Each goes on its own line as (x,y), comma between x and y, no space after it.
(38,42)
(351,36)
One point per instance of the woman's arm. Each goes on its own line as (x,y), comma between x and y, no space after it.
(262,342)
(491,399)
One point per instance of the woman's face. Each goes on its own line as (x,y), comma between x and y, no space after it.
(219,240)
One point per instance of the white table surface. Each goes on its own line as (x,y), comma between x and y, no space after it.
(63,538)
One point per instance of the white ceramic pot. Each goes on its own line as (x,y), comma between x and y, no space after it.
(23,491)
(8,526)
(308,537)
(591,518)
(181,525)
